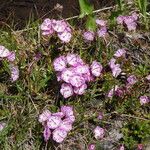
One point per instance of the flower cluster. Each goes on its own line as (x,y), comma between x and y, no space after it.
(61,27)
(75,74)
(10,56)
(129,21)
(101,31)
(57,125)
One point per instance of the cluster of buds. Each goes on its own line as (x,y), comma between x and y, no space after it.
(75,74)
(10,57)
(101,31)
(61,27)
(129,21)
(57,125)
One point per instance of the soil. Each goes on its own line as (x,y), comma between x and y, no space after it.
(18,12)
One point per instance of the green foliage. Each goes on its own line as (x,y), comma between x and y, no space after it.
(86,9)
(135,132)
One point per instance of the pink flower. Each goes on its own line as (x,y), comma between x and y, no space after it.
(66,90)
(99,133)
(100,22)
(67,74)
(100,116)
(2,126)
(92,147)
(77,80)
(102,32)
(112,63)
(120,52)
(46,133)
(73,59)
(132,80)
(148,77)
(11,56)
(80,90)
(140,146)
(82,69)
(65,36)
(116,70)
(144,100)
(53,122)
(4,52)
(59,135)
(44,116)
(14,72)
(121,147)
(120,19)
(120,92)
(66,125)
(58,75)
(59,25)
(112,91)
(88,35)
(67,110)
(46,27)
(59,63)
(96,68)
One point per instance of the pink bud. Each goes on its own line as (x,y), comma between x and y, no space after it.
(46,133)
(14,72)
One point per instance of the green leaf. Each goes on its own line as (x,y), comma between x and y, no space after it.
(85,8)
(91,23)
